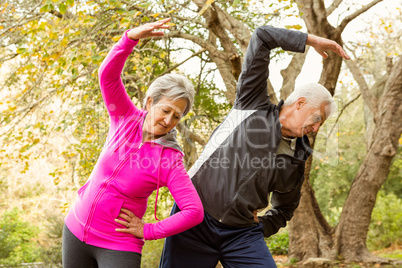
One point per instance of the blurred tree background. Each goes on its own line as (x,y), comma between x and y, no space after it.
(53,122)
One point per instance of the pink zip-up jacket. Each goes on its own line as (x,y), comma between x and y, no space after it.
(127,172)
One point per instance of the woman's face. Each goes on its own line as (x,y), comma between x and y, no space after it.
(163,116)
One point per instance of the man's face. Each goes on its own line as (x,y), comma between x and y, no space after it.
(306,119)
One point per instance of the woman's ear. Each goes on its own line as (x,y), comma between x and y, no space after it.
(149,104)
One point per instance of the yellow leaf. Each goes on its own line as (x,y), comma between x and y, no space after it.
(171,11)
(296,27)
(64,42)
(317,167)
(116,38)
(125,25)
(206,6)
(338,134)
(155,15)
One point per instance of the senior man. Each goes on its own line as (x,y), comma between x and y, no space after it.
(259,150)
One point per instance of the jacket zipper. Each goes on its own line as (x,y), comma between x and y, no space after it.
(102,191)
(235,197)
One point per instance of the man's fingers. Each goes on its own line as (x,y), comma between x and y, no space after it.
(344,55)
(339,50)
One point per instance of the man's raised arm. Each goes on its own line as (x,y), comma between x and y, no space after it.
(251,92)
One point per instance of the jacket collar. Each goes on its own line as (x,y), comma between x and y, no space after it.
(169,140)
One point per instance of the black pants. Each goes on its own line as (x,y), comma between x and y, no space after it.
(77,254)
(211,241)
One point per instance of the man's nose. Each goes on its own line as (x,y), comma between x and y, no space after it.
(316,126)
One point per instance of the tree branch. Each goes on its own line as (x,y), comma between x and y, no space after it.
(198,40)
(10,57)
(357,13)
(370,100)
(394,83)
(238,29)
(271,93)
(343,109)
(178,64)
(187,133)
(333,6)
(19,23)
(292,72)
(313,15)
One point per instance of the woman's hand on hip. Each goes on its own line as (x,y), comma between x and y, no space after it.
(133,224)
(147,30)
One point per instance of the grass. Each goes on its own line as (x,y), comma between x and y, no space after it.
(393,253)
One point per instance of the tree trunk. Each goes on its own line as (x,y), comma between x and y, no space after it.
(353,226)
(309,233)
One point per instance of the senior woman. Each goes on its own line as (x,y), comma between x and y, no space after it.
(104,227)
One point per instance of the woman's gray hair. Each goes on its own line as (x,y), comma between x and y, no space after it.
(172,86)
(315,94)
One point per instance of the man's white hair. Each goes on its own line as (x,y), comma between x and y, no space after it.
(315,94)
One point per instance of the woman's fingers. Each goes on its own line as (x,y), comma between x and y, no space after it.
(125,216)
(148,29)
(128,212)
(124,223)
(133,224)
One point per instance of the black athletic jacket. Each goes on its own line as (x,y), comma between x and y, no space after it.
(238,168)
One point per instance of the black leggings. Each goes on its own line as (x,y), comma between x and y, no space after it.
(77,254)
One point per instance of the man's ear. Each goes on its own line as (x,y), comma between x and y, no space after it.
(149,104)
(300,102)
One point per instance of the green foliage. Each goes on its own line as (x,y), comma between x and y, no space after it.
(393,184)
(391,254)
(51,251)
(151,253)
(17,244)
(386,221)
(332,174)
(51,94)
(278,244)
